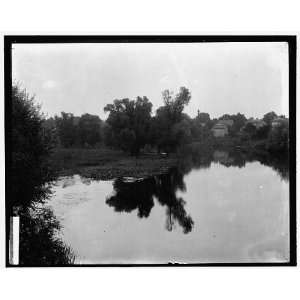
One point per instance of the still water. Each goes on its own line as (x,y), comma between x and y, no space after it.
(222,209)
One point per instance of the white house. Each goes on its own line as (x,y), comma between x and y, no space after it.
(220,130)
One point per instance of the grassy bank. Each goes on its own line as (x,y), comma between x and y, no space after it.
(107,164)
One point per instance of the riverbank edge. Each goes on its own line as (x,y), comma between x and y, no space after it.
(105,165)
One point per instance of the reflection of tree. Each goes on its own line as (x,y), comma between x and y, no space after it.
(195,156)
(166,188)
(282,168)
(239,159)
(277,163)
(230,158)
(139,195)
(39,244)
(198,157)
(133,195)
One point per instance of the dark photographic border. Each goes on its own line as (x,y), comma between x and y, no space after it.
(9,40)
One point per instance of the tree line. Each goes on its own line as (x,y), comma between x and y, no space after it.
(131,126)
(72,131)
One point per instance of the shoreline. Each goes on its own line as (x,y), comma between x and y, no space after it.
(101,164)
(107,164)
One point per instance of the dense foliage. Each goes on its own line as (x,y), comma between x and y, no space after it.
(72,131)
(131,127)
(129,123)
(31,144)
(40,244)
(170,127)
(278,138)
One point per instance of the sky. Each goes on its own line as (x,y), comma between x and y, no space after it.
(250,78)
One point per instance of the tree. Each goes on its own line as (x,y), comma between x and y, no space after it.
(239,120)
(200,127)
(127,140)
(175,106)
(31,145)
(278,139)
(250,129)
(269,117)
(49,125)
(203,117)
(40,245)
(129,122)
(225,117)
(168,116)
(67,129)
(263,132)
(89,129)
(108,136)
(181,132)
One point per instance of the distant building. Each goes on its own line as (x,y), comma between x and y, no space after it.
(279,121)
(220,130)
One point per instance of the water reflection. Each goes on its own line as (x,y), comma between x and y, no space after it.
(130,195)
(133,195)
(196,158)
(140,195)
(278,164)
(207,202)
(230,159)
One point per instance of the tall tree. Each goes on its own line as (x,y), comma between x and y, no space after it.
(167,116)
(89,129)
(239,120)
(67,129)
(278,139)
(129,122)
(31,145)
(269,117)
(250,129)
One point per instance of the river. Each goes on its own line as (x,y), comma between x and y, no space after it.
(224,208)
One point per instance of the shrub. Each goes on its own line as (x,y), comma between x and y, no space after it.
(31,144)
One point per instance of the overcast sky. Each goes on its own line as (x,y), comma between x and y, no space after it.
(251,78)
